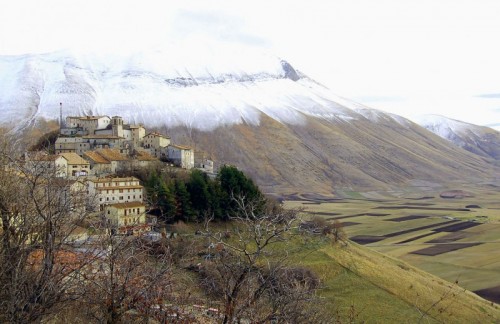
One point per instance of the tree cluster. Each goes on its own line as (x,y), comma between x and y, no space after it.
(196,196)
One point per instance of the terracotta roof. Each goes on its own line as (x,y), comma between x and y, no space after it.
(86,117)
(94,157)
(43,157)
(103,136)
(67,260)
(181,147)
(145,156)
(130,204)
(74,158)
(111,154)
(120,187)
(158,134)
(111,179)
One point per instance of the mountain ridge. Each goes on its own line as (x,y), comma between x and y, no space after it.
(256,111)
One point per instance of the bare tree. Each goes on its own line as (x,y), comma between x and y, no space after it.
(248,268)
(131,280)
(38,212)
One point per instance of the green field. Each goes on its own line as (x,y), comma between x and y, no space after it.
(429,222)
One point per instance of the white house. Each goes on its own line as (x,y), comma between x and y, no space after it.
(47,164)
(87,124)
(182,156)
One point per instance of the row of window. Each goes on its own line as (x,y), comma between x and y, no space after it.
(132,211)
(131,221)
(119,198)
(123,190)
(111,184)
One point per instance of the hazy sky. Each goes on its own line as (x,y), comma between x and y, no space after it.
(406,57)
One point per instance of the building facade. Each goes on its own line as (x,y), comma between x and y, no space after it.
(182,156)
(127,218)
(155,144)
(108,191)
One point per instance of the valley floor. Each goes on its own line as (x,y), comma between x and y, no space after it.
(456,239)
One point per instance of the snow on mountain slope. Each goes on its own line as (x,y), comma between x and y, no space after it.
(480,140)
(444,127)
(286,130)
(159,88)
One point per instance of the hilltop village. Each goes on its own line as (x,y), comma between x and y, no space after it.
(91,150)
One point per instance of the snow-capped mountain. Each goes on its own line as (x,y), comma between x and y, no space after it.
(249,108)
(480,140)
(158,88)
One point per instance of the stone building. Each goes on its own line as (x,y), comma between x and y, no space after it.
(156,143)
(76,166)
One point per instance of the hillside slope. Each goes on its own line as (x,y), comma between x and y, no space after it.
(322,155)
(385,290)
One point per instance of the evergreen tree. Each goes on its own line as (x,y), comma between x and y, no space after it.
(200,195)
(184,208)
(216,198)
(235,184)
(160,197)
(166,202)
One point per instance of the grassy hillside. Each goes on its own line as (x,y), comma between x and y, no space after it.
(385,290)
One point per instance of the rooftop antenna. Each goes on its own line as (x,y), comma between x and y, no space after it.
(60,116)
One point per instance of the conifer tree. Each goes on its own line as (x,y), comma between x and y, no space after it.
(183,206)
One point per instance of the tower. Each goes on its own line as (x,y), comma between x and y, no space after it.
(117,126)
(61,124)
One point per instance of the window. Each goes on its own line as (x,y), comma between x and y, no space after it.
(109,212)
(107,198)
(121,190)
(121,198)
